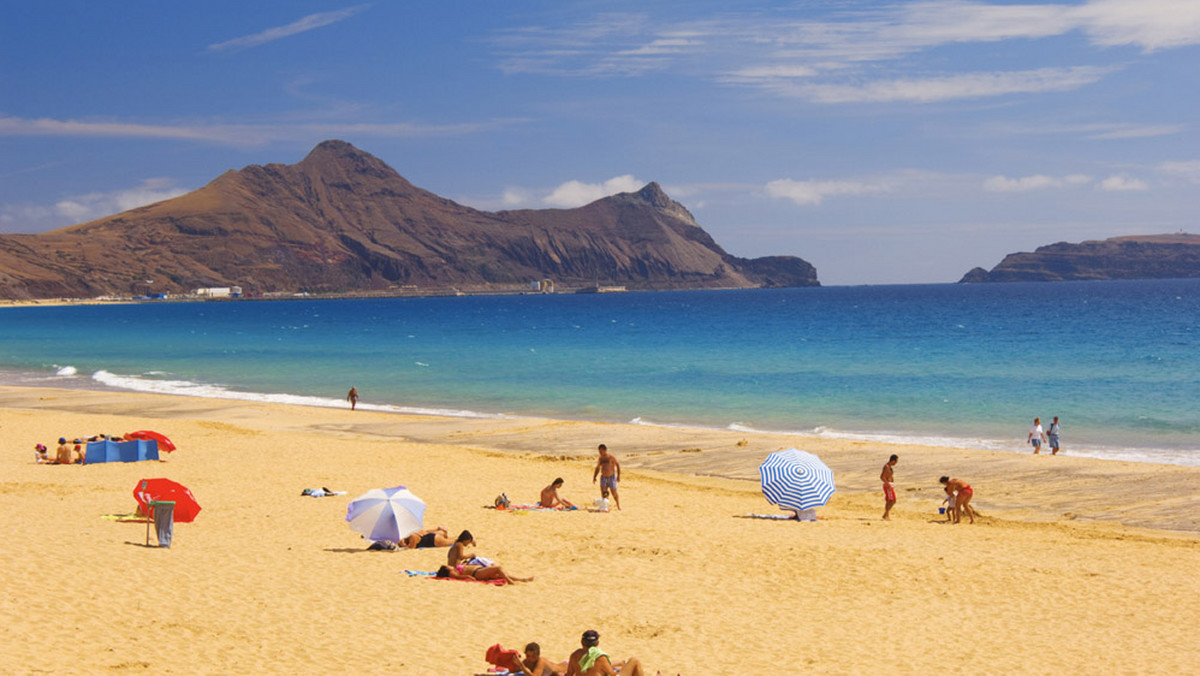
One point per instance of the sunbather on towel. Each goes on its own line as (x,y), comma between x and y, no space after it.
(467,571)
(534,664)
(590,660)
(424,539)
(458,549)
(549,498)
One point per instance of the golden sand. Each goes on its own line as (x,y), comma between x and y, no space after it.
(1076,566)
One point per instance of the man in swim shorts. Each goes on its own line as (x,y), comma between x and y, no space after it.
(1052,436)
(889,487)
(609,471)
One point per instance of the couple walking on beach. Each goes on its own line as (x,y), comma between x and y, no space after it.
(1037,436)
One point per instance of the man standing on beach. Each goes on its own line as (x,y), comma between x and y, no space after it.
(609,471)
(889,487)
(1052,436)
(352,397)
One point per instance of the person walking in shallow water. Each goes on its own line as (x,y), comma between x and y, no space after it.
(889,486)
(1036,436)
(352,397)
(1052,436)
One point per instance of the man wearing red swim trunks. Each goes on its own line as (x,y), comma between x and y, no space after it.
(889,487)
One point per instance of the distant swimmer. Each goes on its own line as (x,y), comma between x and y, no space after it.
(609,471)
(352,397)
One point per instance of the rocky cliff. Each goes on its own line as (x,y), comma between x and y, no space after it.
(1135,257)
(341,220)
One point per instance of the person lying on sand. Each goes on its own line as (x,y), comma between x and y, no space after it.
(470,571)
(590,660)
(424,539)
(550,499)
(533,664)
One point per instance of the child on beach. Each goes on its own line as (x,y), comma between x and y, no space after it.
(39,454)
(949,502)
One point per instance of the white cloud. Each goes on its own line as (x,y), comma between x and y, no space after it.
(241,134)
(1189,170)
(766,73)
(964,86)
(86,207)
(1034,182)
(576,193)
(515,197)
(839,48)
(302,25)
(1118,183)
(1150,24)
(82,208)
(812,193)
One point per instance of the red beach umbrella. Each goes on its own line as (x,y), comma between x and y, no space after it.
(163,442)
(149,490)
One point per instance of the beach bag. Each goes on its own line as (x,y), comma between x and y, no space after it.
(502,501)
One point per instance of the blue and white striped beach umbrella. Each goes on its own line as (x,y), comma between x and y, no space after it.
(796,479)
(386,514)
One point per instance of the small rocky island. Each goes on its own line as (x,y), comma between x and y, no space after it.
(1133,257)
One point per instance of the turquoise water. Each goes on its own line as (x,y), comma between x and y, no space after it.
(943,364)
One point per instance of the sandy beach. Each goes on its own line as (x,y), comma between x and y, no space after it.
(1075,566)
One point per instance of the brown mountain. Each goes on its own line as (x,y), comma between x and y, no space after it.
(343,221)
(1134,257)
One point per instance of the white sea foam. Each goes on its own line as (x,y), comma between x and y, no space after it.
(188,388)
(66,371)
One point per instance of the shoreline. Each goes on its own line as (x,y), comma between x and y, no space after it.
(1080,488)
(269,581)
(1180,457)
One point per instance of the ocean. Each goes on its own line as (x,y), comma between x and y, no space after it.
(945,364)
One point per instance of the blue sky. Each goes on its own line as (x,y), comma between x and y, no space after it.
(884,142)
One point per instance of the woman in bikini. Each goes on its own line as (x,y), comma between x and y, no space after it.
(458,548)
(423,539)
(962,500)
(470,571)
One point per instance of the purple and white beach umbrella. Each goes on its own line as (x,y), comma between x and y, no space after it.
(795,479)
(386,514)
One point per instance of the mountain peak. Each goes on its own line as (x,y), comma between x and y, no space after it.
(338,155)
(653,194)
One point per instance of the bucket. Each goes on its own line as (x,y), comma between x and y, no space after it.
(941,510)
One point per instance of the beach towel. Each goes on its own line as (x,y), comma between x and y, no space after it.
(320,492)
(433,576)
(536,508)
(509,660)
